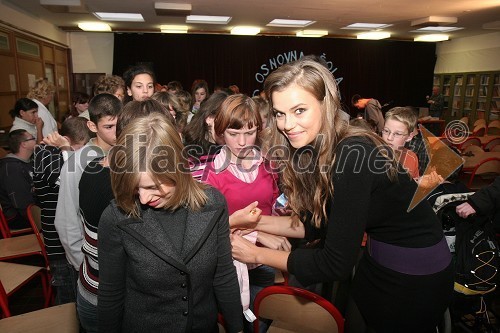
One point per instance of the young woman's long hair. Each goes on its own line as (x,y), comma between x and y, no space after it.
(311,190)
(151,144)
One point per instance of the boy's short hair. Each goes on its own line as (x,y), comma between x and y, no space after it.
(16,137)
(76,129)
(104,105)
(404,115)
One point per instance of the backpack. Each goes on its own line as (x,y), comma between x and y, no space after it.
(476,249)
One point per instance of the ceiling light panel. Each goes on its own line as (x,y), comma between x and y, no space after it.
(290,23)
(245,30)
(431,38)
(312,33)
(437,29)
(124,17)
(208,19)
(174,29)
(374,35)
(366,26)
(94,26)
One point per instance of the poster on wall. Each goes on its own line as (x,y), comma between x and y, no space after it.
(31,80)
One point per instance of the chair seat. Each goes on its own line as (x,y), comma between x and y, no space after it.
(60,318)
(20,245)
(15,275)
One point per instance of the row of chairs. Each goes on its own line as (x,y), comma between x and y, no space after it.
(481,128)
(491,145)
(22,244)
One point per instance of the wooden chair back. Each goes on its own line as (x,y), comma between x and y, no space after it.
(484,173)
(479,122)
(470,141)
(296,310)
(479,130)
(490,145)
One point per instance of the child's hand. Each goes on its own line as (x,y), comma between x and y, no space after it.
(247,217)
(39,123)
(274,242)
(431,180)
(55,139)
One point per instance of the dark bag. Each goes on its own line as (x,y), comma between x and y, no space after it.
(476,251)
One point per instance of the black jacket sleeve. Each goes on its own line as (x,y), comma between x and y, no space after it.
(486,201)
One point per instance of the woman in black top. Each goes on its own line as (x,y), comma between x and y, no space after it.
(342,182)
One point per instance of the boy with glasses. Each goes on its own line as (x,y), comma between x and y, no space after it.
(398,129)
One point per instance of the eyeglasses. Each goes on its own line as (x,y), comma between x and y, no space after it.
(397,135)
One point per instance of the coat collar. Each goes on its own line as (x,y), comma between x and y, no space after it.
(152,235)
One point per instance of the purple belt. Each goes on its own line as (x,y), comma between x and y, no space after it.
(412,261)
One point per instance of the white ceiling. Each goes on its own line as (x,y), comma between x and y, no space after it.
(329,15)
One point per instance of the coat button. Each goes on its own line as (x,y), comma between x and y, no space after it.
(184,298)
(185,313)
(183,285)
(183,273)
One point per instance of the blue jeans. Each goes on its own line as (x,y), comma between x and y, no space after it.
(87,313)
(64,277)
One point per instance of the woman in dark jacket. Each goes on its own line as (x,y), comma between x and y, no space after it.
(164,252)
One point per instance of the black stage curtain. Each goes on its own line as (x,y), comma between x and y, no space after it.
(396,72)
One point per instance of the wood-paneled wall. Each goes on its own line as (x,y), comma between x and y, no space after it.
(23,59)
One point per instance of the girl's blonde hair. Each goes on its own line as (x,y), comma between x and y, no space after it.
(151,144)
(41,89)
(403,115)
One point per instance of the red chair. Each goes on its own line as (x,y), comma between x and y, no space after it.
(14,276)
(484,173)
(6,231)
(479,130)
(61,318)
(296,310)
(494,127)
(490,145)
(26,245)
(470,141)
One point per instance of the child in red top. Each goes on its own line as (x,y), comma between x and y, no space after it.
(244,177)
